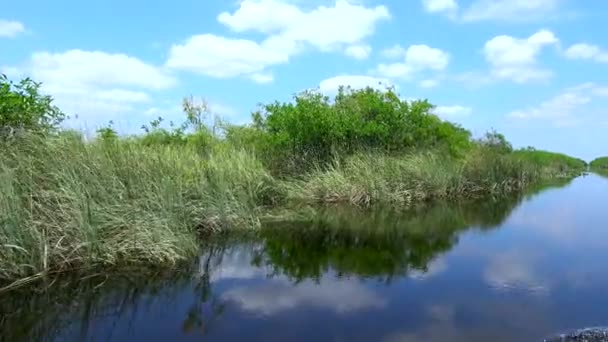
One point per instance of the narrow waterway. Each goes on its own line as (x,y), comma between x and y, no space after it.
(516,269)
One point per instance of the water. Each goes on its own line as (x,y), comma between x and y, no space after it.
(517,269)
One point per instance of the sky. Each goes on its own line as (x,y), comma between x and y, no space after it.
(534,70)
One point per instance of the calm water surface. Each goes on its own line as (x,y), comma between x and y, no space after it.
(519,269)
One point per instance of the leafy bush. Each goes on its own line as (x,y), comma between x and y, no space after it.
(22,106)
(314,129)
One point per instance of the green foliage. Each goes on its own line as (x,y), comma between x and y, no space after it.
(496,142)
(22,106)
(599,165)
(107,133)
(314,129)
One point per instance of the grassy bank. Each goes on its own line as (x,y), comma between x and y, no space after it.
(67,203)
(368,178)
(599,165)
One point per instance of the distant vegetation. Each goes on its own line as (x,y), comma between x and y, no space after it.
(599,165)
(68,203)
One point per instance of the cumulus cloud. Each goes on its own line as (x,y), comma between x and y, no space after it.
(516,59)
(394,52)
(323,27)
(451,112)
(10,28)
(359,52)
(588,52)
(222,57)
(440,6)
(416,58)
(287,29)
(94,83)
(561,109)
(331,85)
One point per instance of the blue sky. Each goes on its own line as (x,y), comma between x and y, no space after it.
(535,70)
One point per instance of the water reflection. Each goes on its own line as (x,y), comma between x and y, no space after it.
(375,243)
(328,263)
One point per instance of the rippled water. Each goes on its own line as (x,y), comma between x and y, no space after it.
(517,269)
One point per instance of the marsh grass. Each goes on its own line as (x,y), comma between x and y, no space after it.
(365,179)
(68,204)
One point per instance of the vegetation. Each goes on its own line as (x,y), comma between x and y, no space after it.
(22,106)
(599,165)
(69,203)
(551,164)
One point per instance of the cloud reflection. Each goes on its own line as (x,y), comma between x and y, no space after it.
(280,295)
(515,270)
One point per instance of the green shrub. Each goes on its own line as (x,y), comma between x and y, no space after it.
(314,130)
(23,107)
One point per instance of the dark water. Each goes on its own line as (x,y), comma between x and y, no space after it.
(519,269)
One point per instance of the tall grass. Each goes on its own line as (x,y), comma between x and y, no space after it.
(68,204)
(366,178)
(551,164)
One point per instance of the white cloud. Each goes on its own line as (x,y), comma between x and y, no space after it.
(265,16)
(516,59)
(78,68)
(415,58)
(279,295)
(323,27)
(440,6)
(394,52)
(331,85)
(359,52)
(394,70)
(562,109)
(10,28)
(222,57)
(497,10)
(587,51)
(287,29)
(425,57)
(450,112)
(262,78)
(509,9)
(512,270)
(94,84)
(429,83)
